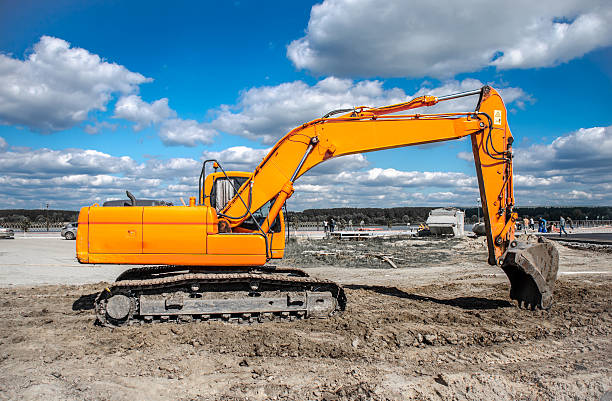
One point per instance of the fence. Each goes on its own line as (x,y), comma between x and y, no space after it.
(318,226)
(574,224)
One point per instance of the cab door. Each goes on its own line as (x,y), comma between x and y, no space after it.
(276,236)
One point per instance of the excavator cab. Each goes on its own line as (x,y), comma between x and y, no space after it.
(221,187)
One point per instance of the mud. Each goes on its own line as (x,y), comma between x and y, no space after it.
(403,336)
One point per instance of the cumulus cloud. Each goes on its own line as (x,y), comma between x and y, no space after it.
(93,129)
(267,113)
(340,164)
(241,158)
(48,162)
(179,168)
(244,158)
(56,85)
(175,132)
(575,168)
(573,194)
(72,178)
(585,155)
(390,177)
(133,108)
(441,39)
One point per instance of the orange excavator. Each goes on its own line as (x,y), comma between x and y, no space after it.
(210,258)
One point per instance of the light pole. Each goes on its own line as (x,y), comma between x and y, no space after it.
(47,217)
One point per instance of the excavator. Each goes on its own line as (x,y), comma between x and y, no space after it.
(210,259)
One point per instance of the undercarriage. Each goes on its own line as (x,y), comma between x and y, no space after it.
(192,294)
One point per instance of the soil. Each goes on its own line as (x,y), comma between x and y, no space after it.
(404,335)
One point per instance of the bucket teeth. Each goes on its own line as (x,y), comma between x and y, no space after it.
(532,271)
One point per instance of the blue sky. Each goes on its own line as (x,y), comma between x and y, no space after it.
(99,97)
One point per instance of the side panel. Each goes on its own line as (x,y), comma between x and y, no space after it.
(175,229)
(236,244)
(82,240)
(115,230)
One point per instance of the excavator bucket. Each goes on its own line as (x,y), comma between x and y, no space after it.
(532,270)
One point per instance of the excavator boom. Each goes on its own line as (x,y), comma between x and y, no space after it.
(372,129)
(232,233)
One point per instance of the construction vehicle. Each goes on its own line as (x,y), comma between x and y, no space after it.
(211,256)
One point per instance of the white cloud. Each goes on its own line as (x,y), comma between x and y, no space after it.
(57,85)
(573,194)
(390,177)
(175,132)
(93,129)
(531,181)
(572,169)
(441,39)
(176,168)
(244,158)
(585,155)
(46,162)
(340,164)
(241,158)
(172,131)
(133,108)
(269,112)
(3,144)
(467,156)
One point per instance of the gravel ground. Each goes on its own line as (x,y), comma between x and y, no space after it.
(440,326)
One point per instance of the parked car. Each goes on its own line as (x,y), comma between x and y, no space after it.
(7,233)
(69,231)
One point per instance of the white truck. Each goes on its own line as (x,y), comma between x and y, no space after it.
(446,221)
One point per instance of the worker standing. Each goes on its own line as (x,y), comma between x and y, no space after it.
(525,224)
(325,226)
(562,226)
(531,224)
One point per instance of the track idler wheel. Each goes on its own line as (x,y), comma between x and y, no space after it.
(114,308)
(532,270)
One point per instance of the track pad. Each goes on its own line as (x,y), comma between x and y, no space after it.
(532,270)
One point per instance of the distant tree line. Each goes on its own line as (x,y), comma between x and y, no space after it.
(37,215)
(370,216)
(417,215)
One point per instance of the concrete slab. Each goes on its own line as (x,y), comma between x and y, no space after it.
(42,259)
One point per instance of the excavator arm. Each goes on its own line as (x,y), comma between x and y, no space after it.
(371,129)
(367,129)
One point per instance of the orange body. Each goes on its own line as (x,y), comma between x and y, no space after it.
(189,235)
